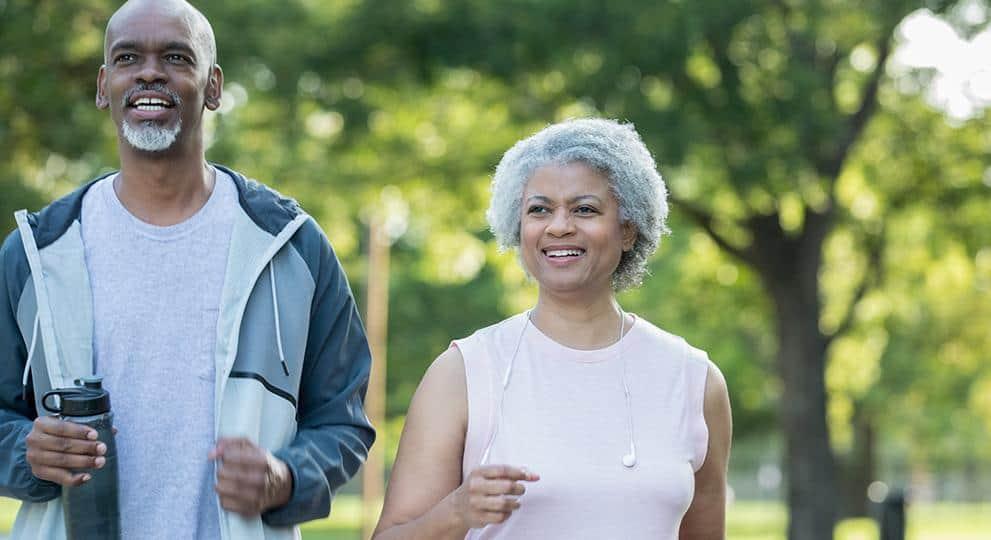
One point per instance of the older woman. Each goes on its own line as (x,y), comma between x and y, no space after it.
(574,419)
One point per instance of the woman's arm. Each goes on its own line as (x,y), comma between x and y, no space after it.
(426,497)
(706,517)
(428,464)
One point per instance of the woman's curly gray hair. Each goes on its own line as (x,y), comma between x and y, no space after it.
(608,146)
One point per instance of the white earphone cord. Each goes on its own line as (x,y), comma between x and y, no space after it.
(505,385)
(629,460)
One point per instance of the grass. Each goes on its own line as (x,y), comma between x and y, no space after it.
(745,521)
(940,521)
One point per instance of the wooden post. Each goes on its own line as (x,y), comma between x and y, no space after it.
(376,323)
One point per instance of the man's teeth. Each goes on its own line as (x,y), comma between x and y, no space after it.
(564,252)
(151,104)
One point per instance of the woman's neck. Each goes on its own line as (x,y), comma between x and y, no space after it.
(589,323)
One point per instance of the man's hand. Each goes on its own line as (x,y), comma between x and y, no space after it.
(58,450)
(250,480)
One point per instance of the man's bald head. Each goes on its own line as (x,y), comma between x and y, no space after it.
(197,22)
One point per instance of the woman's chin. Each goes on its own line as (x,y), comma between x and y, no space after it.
(570,287)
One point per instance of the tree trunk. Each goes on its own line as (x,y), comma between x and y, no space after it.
(809,466)
(789,268)
(859,469)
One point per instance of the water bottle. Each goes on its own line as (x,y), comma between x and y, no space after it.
(91,510)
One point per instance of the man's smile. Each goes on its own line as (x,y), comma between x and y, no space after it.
(150,103)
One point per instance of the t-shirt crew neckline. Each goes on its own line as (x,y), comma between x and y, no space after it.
(169,232)
(583,356)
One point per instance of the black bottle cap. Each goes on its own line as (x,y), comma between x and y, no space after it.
(87,400)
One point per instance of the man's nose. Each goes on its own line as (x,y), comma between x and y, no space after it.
(151,70)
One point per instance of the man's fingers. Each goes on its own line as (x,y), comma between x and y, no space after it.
(62,477)
(238,506)
(229,490)
(45,458)
(237,463)
(244,457)
(239,450)
(61,428)
(232,499)
(221,447)
(226,443)
(241,478)
(43,441)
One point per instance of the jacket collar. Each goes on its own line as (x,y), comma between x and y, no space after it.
(267,208)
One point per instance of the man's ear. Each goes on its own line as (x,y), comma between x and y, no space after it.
(629,235)
(214,88)
(102,97)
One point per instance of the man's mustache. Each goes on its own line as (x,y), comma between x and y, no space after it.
(154,87)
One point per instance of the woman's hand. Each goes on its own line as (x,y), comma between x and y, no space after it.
(490,494)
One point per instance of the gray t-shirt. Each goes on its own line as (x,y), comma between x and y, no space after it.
(156,297)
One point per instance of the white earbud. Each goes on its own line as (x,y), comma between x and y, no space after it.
(630,460)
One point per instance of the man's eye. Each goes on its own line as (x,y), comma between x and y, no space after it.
(177,59)
(123,58)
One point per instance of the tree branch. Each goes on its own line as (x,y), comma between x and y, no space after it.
(872,276)
(830,167)
(705,220)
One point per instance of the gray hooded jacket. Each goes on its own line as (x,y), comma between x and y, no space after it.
(292,361)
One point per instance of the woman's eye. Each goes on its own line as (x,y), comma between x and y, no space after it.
(586,210)
(537,210)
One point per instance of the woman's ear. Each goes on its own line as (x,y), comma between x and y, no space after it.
(629,235)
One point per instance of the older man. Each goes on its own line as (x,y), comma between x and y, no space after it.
(214,309)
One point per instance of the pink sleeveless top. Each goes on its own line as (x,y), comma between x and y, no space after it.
(564,416)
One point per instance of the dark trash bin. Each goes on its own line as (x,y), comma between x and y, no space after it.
(891,517)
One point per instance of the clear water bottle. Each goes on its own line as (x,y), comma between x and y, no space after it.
(91,510)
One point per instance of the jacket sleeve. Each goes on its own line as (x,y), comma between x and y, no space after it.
(334,434)
(16,413)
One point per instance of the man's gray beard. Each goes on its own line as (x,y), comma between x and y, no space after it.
(150,137)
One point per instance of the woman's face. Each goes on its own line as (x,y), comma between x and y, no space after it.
(571,238)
